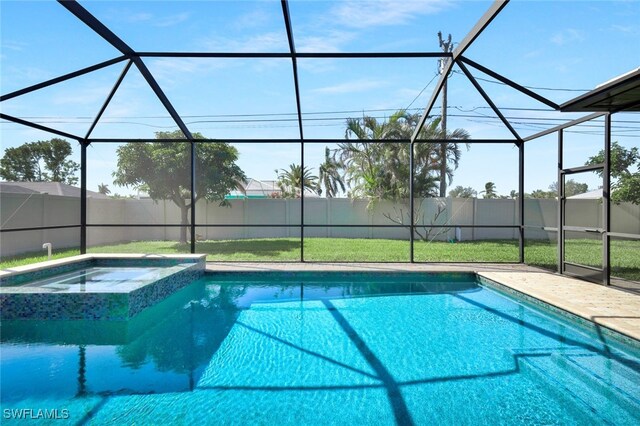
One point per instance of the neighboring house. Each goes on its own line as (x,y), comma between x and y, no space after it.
(596,193)
(255,188)
(51,188)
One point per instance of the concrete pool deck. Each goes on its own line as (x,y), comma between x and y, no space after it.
(610,307)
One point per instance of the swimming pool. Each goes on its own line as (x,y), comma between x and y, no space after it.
(304,348)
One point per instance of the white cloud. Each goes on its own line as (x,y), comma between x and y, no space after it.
(137,17)
(626,29)
(169,71)
(331,41)
(359,14)
(533,53)
(253,19)
(570,35)
(122,110)
(82,96)
(22,76)
(14,45)
(170,21)
(147,18)
(349,87)
(266,42)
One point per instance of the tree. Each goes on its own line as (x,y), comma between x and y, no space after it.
(460,192)
(626,182)
(571,188)
(330,178)
(104,189)
(627,189)
(380,170)
(290,181)
(40,161)
(622,160)
(541,193)
(489,190)
(163,170)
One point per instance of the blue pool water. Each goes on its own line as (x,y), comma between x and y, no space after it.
(320,349)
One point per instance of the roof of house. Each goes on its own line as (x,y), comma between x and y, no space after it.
(256,188)
(596,193)
(51,188)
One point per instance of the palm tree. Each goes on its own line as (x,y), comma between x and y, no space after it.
(330,178)
(380,170)
(489,190)
(104,189)
(290,181)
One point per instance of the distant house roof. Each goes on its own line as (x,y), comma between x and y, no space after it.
(261,187)
(596,193)
(255,188)
(13,188)
(51,188)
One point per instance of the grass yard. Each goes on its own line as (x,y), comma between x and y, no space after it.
(625,254)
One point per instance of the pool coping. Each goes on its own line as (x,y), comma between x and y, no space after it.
(34,267)
(612,311)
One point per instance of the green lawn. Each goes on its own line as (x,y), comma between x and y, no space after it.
(625,255)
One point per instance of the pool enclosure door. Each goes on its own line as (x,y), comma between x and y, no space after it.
(583,215)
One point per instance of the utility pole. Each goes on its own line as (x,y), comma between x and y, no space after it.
(446,47)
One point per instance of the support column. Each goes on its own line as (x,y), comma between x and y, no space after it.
(606,203)
(193,197)
(83,196)
(560,224)
(411,204)
(302,200)
(521,199)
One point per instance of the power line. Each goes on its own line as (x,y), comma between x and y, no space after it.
(422,91)
(167,117)
(60,120)
(552,89)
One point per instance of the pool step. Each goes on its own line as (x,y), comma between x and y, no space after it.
(577,377)
(619,377)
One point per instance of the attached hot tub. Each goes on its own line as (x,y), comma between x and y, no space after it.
(96,286)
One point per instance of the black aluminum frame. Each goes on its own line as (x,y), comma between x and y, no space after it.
(132,57)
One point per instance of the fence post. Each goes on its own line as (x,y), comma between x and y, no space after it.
(473,219)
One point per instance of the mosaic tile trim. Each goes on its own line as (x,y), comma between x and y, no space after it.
(582,323)
(348,276)
(97,306)
(149,295)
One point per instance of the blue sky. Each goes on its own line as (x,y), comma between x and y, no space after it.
(569,45)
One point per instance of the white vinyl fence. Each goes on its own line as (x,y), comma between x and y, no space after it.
(26,211)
